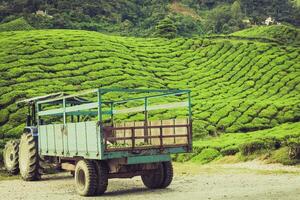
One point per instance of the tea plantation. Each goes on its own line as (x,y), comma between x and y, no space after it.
(279,33)
(238,84)
(278,144)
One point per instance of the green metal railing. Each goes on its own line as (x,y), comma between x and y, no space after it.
(79,109)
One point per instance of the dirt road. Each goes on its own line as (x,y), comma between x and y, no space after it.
(234,181)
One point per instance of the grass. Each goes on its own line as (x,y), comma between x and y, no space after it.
(282,156)
(239,86)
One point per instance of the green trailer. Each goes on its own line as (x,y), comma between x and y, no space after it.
(107,133)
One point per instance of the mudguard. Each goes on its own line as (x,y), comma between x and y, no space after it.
(33,130)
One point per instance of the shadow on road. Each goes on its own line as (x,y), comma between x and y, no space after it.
(59,176)
(125,191)
(133,191)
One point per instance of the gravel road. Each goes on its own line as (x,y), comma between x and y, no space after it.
(231,181)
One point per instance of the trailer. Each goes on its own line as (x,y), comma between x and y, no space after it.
(105,133)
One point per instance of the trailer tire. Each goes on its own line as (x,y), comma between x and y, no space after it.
(29,158)
(102,177)
(11,157)
(85,178)
(154,180)
(168,174)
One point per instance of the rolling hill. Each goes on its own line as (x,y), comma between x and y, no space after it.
(238,85)
(280,33)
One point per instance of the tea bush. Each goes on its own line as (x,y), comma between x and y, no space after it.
(238,84)
(206,156)
(280,33)
(16,25)
(282,136)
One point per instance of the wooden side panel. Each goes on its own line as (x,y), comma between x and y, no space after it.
(166,131)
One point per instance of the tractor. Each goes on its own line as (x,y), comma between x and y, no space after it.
(102,134)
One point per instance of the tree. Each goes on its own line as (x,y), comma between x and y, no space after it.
(166,28)
(236,10)
(217,18)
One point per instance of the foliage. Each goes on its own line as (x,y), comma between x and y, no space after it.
(139,18)
(166,28)
(282,33)
(282,156)
(1,156)
(15,25)
(238,85)
(250,147)
(225,19)
(281,10)
(284,137)
(206,156)
(231,150)
(294,147)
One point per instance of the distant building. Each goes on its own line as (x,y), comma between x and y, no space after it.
(43,13)
(269,21)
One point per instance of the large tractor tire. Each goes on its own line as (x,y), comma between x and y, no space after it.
(11,157)
(102,177)
(29,165)
(85,178)
(160,178)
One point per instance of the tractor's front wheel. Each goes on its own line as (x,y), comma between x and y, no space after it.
(11,157)
(29,165)
(159,178)
(85,178)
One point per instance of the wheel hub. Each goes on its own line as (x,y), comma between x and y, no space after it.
(81,179)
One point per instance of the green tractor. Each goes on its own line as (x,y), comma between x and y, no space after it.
(104,133)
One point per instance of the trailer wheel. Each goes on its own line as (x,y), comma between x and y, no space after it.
(161,178)
(168,174)
(11,157)
(102,177)
(155,179)
(85,178)
(29,158)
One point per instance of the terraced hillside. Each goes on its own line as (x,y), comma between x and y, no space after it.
(237,85)
(280,33)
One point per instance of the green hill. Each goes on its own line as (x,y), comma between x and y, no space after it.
(281,33)
(16,25)
(237,85)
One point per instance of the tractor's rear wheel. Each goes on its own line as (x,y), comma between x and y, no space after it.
(160,178)
(11,157)
(29,165)
(102,177)
(85,178)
